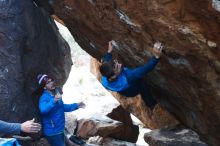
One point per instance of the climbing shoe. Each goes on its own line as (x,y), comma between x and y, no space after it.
(77,140)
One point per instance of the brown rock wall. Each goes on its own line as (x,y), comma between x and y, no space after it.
(186,82)
(29,44)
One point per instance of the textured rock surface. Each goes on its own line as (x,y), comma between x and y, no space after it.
(186,82)
(29,44)
(98,125)
(103,126)
(157,118)
(176,136)
(41,142)
(128,131)
(100,141)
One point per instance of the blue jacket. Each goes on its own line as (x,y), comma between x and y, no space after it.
(9,142)
(127,81)
(52,114)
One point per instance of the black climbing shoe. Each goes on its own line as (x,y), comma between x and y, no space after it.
(77,140)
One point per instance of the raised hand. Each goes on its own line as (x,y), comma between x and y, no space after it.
(30,126)
(157,49)
(81,105)
(57,97)
(110,48)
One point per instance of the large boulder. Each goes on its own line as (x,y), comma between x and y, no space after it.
(97,125)
(156,118)
(175,136)
(117,124)
(128,131)
(30,44)
(100,141)
(186,81)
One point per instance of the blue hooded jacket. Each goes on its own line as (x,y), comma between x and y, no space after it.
(52,114)
(127,81)
(119,84)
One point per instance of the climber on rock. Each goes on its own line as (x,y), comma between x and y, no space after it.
(129,82)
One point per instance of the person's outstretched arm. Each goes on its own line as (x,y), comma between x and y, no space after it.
(72,107)
(15,128)
(141,71)
(10,128)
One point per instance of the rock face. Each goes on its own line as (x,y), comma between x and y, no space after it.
(41,142)
(128,131)
(100,141)
(175,136)
(157,118)
(100,125)
(117,124)
(186,81)
(29,44)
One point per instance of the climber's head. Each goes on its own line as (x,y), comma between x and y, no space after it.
(46,81)
(111,69)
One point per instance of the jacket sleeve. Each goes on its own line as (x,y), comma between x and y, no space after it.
(10,128)
(70,107)
(107,57)
(141,71)
(46,104)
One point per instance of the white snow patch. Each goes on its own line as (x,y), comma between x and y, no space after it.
(216,5)
(124,17)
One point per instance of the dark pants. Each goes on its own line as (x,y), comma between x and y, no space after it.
(140,88)
(56,140)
